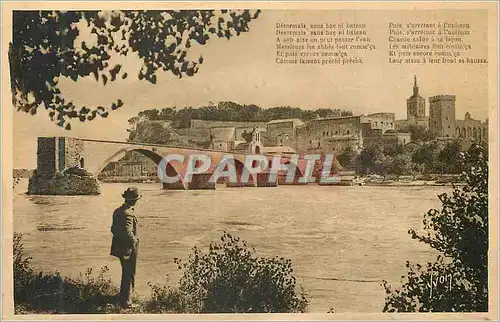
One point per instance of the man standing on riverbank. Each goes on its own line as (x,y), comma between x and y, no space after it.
(125,243)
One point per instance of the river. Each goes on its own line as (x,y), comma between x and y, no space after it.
(342,240)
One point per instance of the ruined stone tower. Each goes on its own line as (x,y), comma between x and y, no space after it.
(60,169)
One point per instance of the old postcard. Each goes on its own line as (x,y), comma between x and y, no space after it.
(249,160)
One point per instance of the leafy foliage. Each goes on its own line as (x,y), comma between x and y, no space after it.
(347,158)
(373,160)
(159,126)
(41,292)
(231,111)
(439,159)
(230,278)
(430,157)
(247,136)
(448,160)
(150,132)
(165,299)
(426,154)
(46,47)
(419,133)
(460,232)
(402,164)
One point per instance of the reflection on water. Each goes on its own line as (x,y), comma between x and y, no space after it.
(342,240)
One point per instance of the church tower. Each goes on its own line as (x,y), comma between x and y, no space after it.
(415,105)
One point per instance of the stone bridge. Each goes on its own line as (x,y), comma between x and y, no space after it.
(56,154)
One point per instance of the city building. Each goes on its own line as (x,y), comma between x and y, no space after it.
(441,120)
(231,139)
(470,129)
(334,134)
(110,170)
(391,138)
(380,121)
(415,105)
(132,165)
(329,135)
(282,132)
(442,115)
(252,145)
(200,130)
(415,110)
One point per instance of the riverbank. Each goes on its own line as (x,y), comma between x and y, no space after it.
(371,180)
(231,276)
(129,179)
(410,181)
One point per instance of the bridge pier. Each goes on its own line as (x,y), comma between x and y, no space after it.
(282,181)
(239,184)
(174,186)
(201,182)
(198,182)
(263,180)
(60,169)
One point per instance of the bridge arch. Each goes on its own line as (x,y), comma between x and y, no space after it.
(173,169)
(155,157)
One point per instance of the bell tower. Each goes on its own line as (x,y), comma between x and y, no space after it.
(415,104)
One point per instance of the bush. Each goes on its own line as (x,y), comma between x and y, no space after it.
(460,232)
(230,278)
(52,293)
(165,299)
(347,158)
(402,165)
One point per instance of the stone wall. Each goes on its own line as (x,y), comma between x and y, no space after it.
(471,129)
(46,157)
(280,134)
(199,135)
(322,134)
(382,121)
(73,152)
(54,156)
(63,184)
(442,115)
(396,138)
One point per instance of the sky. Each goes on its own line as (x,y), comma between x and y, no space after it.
(244,70)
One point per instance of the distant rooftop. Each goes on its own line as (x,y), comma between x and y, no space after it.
(294,120)
(380,113)
(335,118)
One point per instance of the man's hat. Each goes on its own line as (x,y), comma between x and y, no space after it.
(131,193)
